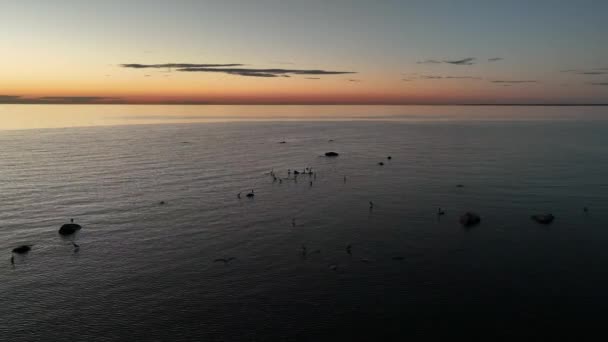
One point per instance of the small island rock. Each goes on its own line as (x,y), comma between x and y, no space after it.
(69,228)
(543,218)
(22,249)
(470,219)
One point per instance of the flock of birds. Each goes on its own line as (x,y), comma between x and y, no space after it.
(468,219)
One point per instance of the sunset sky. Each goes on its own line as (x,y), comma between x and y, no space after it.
(306,52)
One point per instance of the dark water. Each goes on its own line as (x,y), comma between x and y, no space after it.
(146,271)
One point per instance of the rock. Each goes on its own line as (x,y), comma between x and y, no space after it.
(331,154)
(22,249)
(543,218)
(470,219)
(69,228)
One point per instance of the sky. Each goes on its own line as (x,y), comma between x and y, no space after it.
(304,52)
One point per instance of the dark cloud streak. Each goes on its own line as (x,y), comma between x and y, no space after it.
(265,72)
(464,61)
(177,65)
(515,81)
(6,99)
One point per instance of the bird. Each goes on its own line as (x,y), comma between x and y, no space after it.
(585,209)
(311,183)
(251,194)
(238,195)
(389,157)
(224,260)
(161,203)
(371,205)
(75,245)
(344,179)
(381,163)
(349,250)
(293,222)
(12,259)
(440,212)
(304,251)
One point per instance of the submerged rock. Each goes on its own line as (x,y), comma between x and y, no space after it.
(22,249)
(331,154)
(470,219)
(543,218)
(69,228)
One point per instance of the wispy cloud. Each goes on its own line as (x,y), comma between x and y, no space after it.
(495,59)
(429,61)
(464,61)
(57,99)
(593,73)
(266,72)
(232,69)
(434,77)
(588,72)
(8,98)
(463,77)
(514,81)
(177,65)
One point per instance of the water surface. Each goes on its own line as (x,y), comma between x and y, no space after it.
(146,271)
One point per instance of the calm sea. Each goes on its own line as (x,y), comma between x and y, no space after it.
(146,271)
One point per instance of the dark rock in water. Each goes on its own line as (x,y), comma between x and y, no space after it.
(22,249)
(389,157)
(543,218)
(331,154)
(69,228)
(380,163)
(470,219)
